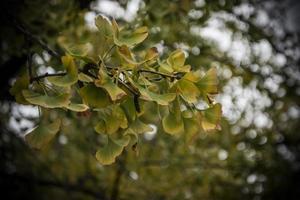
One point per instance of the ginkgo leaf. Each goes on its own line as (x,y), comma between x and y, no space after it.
(161,99)
(57,101)
(110,87)
(209,83)
(188,90)
(211,117)
(16,90)
(94,96)
(193,76)
(122,37)
(140,127)
(172,124)
(176,59)
(191,128)
(77,107)
(129,108)
(42,134)
(100,127)
(85,78)
(112,118)
(151,54)
(114,147)
(104,26)
(126,56)
(72,73)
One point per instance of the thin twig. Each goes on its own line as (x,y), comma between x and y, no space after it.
(32,79)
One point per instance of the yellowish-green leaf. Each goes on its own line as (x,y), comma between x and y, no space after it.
(211,117)
(123,37)
(127,59)
(16,90)
(129,108)
(114,147)
(172,124)
(191,128)
(139,127)
(85,78)
(77,107)
(100,127)
(209,83)
(188,90)
(94,96)
(110,87)
(72,73)
(57,101)
(42,134)
(104,26)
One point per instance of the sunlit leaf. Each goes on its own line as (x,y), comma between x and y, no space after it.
(72,73)
(42,134)
(188,90)
(114,147)
(57,101)
(209,83)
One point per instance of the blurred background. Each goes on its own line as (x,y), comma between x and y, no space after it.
(253,43)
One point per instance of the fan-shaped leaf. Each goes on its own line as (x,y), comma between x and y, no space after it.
(58,101)
(94,96)
(114,147)
(72,73)
(209,83)
(42,134)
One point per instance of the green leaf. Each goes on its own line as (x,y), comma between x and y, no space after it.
(162,99)
(72,73)
(16,90)
(100,127)
(42,134)
(172,124)
(209,83)
(129,108)
(94,96)
(176,59)
(77,107)
(139,127)
(188,90)
(113,118)
(85,78)
(127,59)
(211,117)
(57,101)
(104,26)
(191,128)
(123,37)
(110,87)
(114,147)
